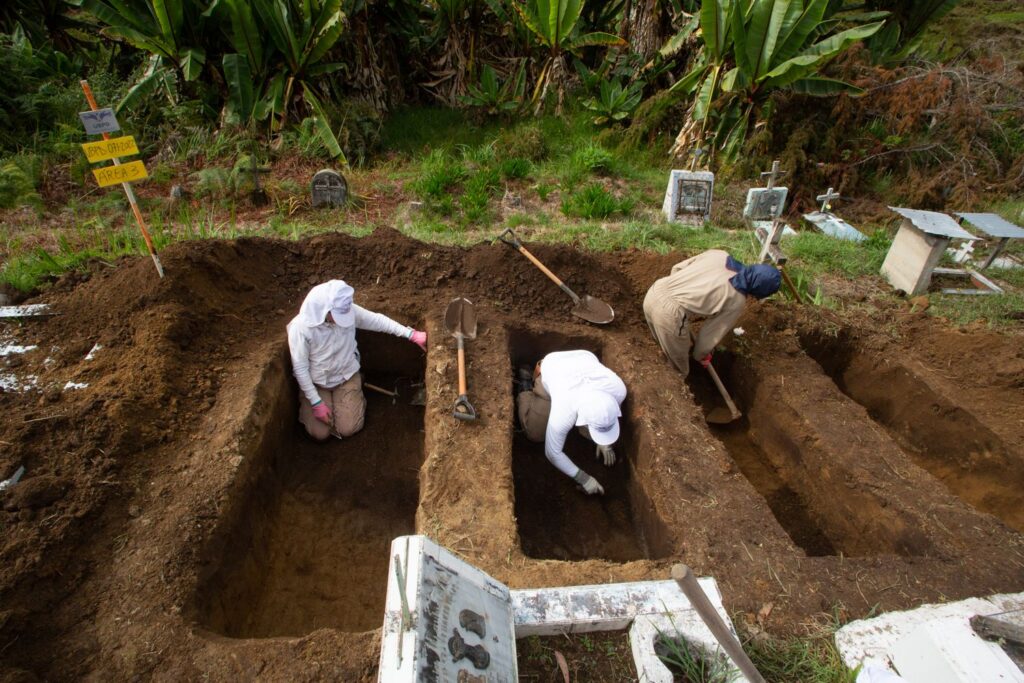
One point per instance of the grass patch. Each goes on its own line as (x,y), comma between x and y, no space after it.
(996,310)
(813,659)
(593,201)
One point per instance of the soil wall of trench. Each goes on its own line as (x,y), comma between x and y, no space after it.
(227,544)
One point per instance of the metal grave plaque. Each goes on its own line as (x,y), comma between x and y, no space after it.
(329,189)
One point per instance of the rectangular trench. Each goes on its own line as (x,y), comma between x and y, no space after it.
(809,486)
(938,435)
(557,521)
(305,544)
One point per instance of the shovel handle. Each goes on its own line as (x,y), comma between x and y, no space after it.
(721,389)
(463,409)
(513,241)
(688,583)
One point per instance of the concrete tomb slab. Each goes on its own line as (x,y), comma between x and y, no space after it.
(688,197)
(329,188)
(765,204)
(446,620)
(834,226)
(933,643)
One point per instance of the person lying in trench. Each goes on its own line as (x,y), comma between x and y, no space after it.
(571,389)
(712,286)
(325,359)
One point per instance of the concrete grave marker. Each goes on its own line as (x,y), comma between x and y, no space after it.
(688,197)
(829,223)
(444,619)
(919,244)
(763,212)
(329,189)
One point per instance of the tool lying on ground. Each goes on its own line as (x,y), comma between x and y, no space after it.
(460,322)
(688,583)
(419,397)
(587,307)
(720,415)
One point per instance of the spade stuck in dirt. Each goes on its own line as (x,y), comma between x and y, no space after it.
(460,322)
(589,308)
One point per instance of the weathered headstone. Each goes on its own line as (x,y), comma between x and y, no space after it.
(917,248)
(765,204)
(329,189)
(444,620)
(829,223)
(763,211)
(688,197)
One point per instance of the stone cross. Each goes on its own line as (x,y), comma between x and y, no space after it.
(329,189)
(773,174)
(826,199)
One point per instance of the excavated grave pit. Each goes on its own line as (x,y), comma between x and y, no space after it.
(940,436)
(777,452)
(555,520)
(306,545)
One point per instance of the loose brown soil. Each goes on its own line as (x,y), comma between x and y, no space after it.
(174,522)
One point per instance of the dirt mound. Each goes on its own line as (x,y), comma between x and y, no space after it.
(170,508)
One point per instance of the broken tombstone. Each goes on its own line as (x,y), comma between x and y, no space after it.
(329,188)
(832,225)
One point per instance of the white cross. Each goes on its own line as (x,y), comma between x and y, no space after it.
(826,198)
(773,174)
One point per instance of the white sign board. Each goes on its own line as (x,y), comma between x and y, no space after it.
(444,620)
(99,121)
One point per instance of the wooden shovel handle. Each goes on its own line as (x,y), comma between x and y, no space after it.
(462,365)
(543,268)
(688,583)
(721,389)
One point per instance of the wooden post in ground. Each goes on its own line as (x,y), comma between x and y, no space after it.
(128,190)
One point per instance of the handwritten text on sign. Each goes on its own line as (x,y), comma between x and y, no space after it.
(112,175)
(103,150)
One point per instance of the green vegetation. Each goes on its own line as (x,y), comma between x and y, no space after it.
(808,660)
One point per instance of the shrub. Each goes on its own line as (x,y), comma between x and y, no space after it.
(525,142)
(593,201)
(592,158)
(439,174)
(515,167)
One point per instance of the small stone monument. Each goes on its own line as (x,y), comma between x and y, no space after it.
(763,212)
(688,197)
(917,248)
(329,189)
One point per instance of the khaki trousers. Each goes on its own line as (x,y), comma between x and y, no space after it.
(670,327)
(348,410)
(534,409)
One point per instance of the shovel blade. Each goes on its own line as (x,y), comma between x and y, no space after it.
(460,318)
(721,416)
(593,310)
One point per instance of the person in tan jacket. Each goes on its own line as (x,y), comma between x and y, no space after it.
(713,286)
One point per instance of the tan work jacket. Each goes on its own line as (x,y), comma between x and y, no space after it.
(700,285)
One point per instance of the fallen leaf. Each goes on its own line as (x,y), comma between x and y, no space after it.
(563,665)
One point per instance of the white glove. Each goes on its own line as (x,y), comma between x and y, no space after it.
(588,483)
(607,454)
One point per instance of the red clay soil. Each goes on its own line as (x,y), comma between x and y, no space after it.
(169,509)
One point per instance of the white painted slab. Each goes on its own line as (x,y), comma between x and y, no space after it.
(761,200)
(437,587)
(911,259)
(32,310)
(873,640)
(834,226)
(949,651)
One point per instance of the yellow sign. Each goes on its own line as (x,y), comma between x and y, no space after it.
(125,173)
(102,150)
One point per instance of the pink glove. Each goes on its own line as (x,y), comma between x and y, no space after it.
(706,360)
(419,339)
(322,412)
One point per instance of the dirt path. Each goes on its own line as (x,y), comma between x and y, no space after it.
(174,522)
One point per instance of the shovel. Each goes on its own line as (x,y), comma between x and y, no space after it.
(587,307)
(719,415)
(460,322)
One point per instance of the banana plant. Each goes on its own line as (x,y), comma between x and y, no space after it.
(552,23)
(613,102)
(904,27)
(751,49)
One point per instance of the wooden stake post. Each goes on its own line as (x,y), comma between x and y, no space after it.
(128,189)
